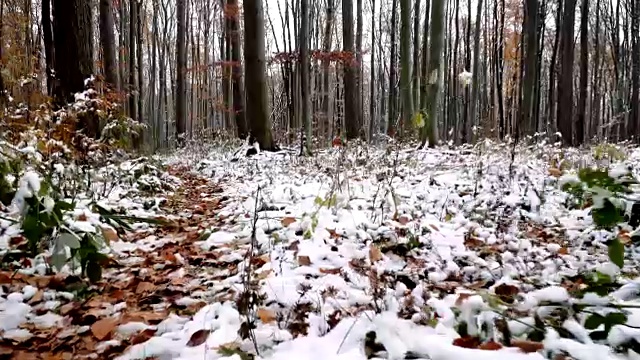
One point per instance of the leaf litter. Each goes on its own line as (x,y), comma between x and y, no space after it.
(428,253)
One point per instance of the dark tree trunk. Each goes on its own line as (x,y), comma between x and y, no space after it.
(73,42)
(565,80)
(181,53)
(391,121)
(107,41)
(351,117)
(232,14)
(584,71)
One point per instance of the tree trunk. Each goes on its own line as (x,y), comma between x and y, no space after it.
(72,25)
(372,81)
(255,76)
(133,19)
(475,85)
(391,122)
(326,47)
(423,60)
(181,63)
(139,55)
(350,69)
(405,66)
(529,64)
(635,69)
(415,76)
(304,76)
(565,80)
(48,45)
(107,41)
(232,14)
(584,72)
(433,79)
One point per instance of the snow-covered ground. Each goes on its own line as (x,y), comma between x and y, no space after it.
(397,244)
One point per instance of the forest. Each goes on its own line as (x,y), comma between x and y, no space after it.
(327,179)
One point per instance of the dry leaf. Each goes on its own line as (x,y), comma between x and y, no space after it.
(36,298)
(434,227)
(109,233)
(473,242)
(266,316)
(404,219)
(5,277)
(374,253)
(563,251)
(555,172)
(527,346)
(624,237)
(198,338)
(102,328)
(490,345)
(142,336)
(304,260)
(462,297)
(507,293)
(144,287)
(469,342)
(288,221)
(335,271)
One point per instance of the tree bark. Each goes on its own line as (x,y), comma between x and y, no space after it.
(181,51)
(351,117)
(475,82)
(304,76)
(584,72)
(232,14)
(255,75)
(391,122)
(433,79)
(72,25)
(405,66)
(565,80)
(108,43)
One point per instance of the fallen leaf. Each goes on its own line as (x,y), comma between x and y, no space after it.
(434,227)
(404,219)
(374,253)
(102,328)
(304,260)
(145,287)
(5,277)
(198,338)
(36,298)
(335,271)
(469,342)
(266,316)
(473,242)
(507,293)
(563,251)
(288,221)
(462,297)
(490,345)
(527,346)
(142,336)
(555,172)
(109,233)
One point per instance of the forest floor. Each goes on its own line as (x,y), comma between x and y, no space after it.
(472,253)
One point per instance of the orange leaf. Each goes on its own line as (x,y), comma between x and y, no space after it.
(109,233)
(527,346)
(507,292)
(144,287)
(102,328)
(469,342)
(304,260)
(555,172)
(490,345)
(335,271)
(198,338)
(462,297)
(374,253)
(266,316)
(288,221)
(142,336)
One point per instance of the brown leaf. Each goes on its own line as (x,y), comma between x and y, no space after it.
(434,227)
(304,260)
(288,221)
(473,242)
(469,342)
(266,316)
(563,251)
(507,292)
(374,253)
(145,287)
(490,345)
(36,298)
(527,346)
(198,338)
(462,297)
(335,271)
(109,233)
(5,350)
(5,277)
(142,336)
(555,172)
(102,328)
